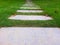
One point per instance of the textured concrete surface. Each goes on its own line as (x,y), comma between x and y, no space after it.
(29,36)
(30,11)
(30,17)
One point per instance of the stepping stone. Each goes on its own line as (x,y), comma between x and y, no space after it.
(29,36)
(30,11)
(29,8)
(30,17)
(29,5)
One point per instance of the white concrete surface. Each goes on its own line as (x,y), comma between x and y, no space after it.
(29,36)
(29,4)
(29,8)
(30,17)
(30,11)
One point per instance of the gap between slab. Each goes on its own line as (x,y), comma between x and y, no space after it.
(29,17)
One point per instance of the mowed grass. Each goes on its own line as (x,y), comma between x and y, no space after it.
(9,7)
(51,7)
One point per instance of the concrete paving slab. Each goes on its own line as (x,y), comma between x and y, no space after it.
(29,36)
(29,4)
(29,8)
(30,17)
(30,11)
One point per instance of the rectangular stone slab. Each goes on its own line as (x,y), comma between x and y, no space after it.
(31,11)
(29,8)
(30,17)
(29,36)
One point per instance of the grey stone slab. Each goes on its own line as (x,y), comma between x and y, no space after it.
(29,36)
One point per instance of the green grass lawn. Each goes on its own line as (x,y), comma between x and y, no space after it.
(9,7)
(52,7)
